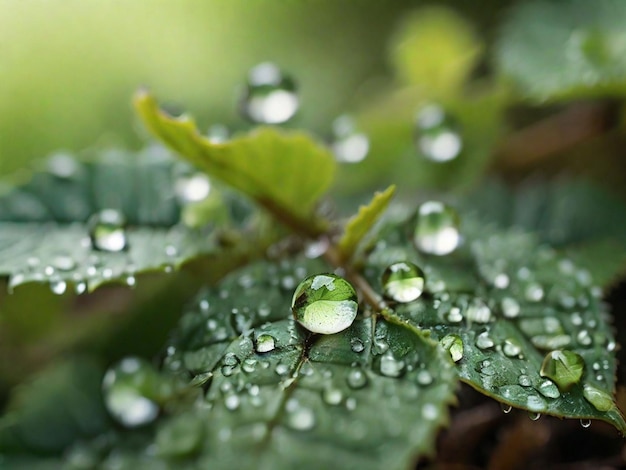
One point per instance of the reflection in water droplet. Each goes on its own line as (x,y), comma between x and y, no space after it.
(325,303)
(563,367)
(437,134)
(265,343)
(123,388)
(454,345)
(348,145)
(534,416)
(510,307)
(585,423)
(106,230)
(403,282)
(270,96)
(506,409)
(437,229)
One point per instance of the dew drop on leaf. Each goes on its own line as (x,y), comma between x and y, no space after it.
(63,165)
(192,188)
(549,389)
(107,230)
(390,366)
(424,377)
(126,388)
(506,409)
(218,133)
(63,262)
(348,145)
(454,345)
(563,367)
(325,303)
(332,396)
(478,311)
(484,341)
(510,307)
(585,423)
(601,400)
(356,345)
(299,418)
(270,96)
(437,134)
(58,287)
(534,416)
(437,229)
(403,282)
(356,379)
(265,343)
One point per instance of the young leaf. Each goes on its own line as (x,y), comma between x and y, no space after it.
(563,50)
(358,226)
(507,303)
(284,172)
(102,220)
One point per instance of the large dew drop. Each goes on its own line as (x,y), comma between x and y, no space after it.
(601,400)
(437,134)
(454,345)
(270,96)
(563,367)
(325,303)
(437,229)
(349,145)
(403,282)
(107,230)
(126,388)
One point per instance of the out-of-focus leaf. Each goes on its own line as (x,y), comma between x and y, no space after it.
(358,226)
(284,172)
(435,50)
(506,302)
(560,50)
(46,235)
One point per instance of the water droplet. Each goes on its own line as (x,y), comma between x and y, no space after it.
(510,307)
(265,343)
(535,403)
(429,412)
(437,229)
(270,96)
(585,423)
(332,396)
(600,399)
(563,367)
(506,409)
(584,338)
(511,348)
(80,287)
(281,369)
(390,366)
(478,311)
(454,345)
(325,303)
(534,416)
(58,287)
(348,145)
(217,133)
(63,263)
(249,365)
(484,341)
(63,166)
(549,389)
(501,281)
(356,345)
(124,387)
(533,292)
(424,377)
(106,230)
(351,404)
(356,379)
(454,315)
(299,417)
(437,134)
(232,401)
(192,188)
(524,380)
(403,282)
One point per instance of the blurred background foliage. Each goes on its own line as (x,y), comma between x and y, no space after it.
(535,88)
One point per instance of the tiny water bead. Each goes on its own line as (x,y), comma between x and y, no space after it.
(356,379)
(325,303)
(126,388)
(107,230)
(437,134)
(270,96)
(403,282)
(437,229)
(563,367)
(510,307)
(478,312)
(348,145)
(454,345)
(265,343)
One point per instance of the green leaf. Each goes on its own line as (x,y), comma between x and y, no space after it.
(582,220)
(563,50)
(59,406)
(511,301)
(284,172)
(436,50)
(360,224)
(46,228)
